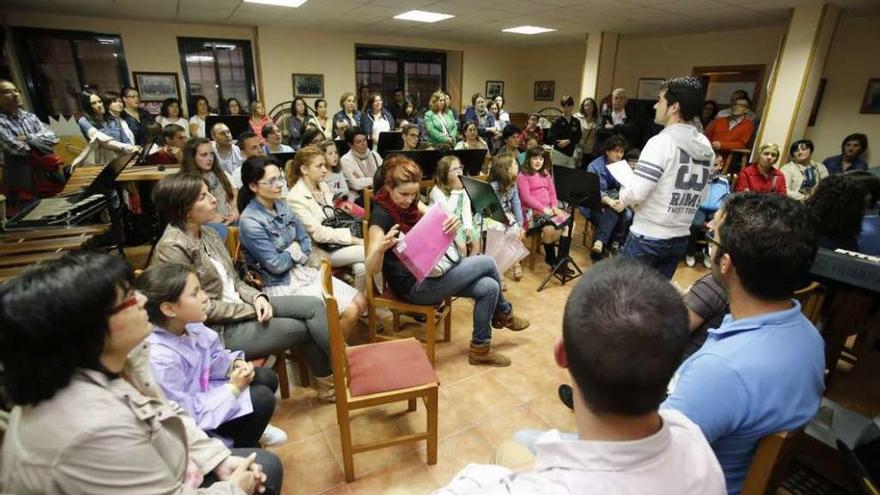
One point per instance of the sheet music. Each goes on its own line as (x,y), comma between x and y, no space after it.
(622,172)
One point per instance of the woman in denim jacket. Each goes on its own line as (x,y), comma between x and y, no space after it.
(275,242)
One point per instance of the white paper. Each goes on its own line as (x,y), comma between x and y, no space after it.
(622,172)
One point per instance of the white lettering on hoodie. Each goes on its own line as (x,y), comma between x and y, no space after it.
(670,182)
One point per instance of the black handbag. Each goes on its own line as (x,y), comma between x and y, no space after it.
(338,218)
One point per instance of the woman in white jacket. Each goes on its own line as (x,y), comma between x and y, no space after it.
(311,201)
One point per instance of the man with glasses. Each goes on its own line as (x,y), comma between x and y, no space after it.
(762,370)
(136,117)
(733,132)
(739,93)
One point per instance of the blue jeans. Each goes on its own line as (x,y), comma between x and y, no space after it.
(662,254)
(608,222)
(475,277)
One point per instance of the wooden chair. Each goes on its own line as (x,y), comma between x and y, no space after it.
(379,373)
(233,245)
(768,464)
(812,298)
(737,159)
(434,315)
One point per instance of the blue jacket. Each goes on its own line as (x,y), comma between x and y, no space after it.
(265,236)
(367,122)
(606,180)
(834,164)
(340,115)
(470,115)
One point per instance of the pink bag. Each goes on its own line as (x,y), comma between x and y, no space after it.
(425,243)
(505,248)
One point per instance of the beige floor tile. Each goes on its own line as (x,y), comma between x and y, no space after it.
(309,466)
(456,452)
(408,477)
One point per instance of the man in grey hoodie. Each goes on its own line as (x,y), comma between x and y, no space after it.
(670,180)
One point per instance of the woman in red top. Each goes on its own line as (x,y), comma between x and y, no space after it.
(762,176)
(259,119)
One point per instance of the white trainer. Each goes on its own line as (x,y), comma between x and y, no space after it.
(273,435)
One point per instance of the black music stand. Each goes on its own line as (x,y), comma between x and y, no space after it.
(342,147)
(484,200)
(576,188)
(237,124)
(425,159)
(471,160)
(389,141)
(283,158)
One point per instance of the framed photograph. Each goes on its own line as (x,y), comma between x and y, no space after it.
(871,102)
(156,86)
(308,85)
(545,90)
(649,88)
(494,88)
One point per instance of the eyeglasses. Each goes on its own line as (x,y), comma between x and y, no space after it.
(273,182)
(710,236)
(127,303)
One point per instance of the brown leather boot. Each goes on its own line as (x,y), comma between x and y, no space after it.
(326,389)
(483,354)
(510,321)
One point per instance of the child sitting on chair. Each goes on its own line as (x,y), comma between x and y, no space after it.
(449,192)
(540,204)
(502,177)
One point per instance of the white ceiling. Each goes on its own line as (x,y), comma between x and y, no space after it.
(474,21)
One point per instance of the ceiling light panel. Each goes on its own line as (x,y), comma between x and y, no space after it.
(423,16)
(280,3)
(528,30)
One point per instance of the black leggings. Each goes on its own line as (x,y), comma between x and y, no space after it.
(245,431)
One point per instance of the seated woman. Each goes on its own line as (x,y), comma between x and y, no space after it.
(320,119)
(219,389)
(197,121)
(502,177)
(94,421)
(440,123)
(613,217)
(274,241)
(409,116)
(199,158)
(472,139)
(537,193)
(510,141)
(347,117)
(233,107)
(761,176)
(802,174)
(311,200)
(299,116)
(532,130)
(411,139)
(376,119)
(360,164)
(272,136)
(247,320)
(170,113)
(838,205)
(259,119)
(479,114)
(101,120)
(396,210)
(850,157)
(335,179)
(449,192)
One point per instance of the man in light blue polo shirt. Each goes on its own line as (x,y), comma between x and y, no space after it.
(762,371)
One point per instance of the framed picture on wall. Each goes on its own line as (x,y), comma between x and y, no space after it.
(871,102)
(545,90)
(494,88)
(308,85)
(649,88)
(157,86)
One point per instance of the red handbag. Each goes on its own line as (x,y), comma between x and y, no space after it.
(46,170)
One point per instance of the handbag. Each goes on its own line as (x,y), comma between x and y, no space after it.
(340,219)
(449,259)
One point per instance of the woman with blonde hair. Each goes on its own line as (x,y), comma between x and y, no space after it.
(259,119)
(348,116)
(440,123)
(762,176)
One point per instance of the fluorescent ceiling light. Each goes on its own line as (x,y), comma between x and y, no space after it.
(422,16)
(282,3)
(528,30)
(199,58)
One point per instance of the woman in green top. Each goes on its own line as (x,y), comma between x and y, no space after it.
(440,122)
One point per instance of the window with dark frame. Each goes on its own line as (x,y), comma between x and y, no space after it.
(419,73)
(217,69)
(59,65)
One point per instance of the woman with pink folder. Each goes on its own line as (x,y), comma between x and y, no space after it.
(397,210)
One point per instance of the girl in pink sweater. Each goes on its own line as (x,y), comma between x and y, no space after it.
(538,197)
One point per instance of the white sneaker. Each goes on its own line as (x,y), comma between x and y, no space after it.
(707,261)
(690,260)
(273,435)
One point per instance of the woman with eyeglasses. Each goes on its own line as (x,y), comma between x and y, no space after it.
(247,319)
(762,176)
(88,416)
(275,241)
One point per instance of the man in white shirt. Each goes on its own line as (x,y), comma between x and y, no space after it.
(670,180)
(227,153)
(623,334)
(360,164)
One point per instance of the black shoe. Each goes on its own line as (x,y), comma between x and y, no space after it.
(550,254)
(566,396)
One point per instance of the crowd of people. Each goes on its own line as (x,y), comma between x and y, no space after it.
(156,367)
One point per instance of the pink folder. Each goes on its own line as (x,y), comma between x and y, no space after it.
(425,243)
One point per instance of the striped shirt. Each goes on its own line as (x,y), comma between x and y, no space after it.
(23,123)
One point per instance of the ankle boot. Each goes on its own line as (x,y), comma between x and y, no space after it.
(550,254)
(564,246)
(483,354)
(326,389)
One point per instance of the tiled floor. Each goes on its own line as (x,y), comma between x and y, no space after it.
(479,407)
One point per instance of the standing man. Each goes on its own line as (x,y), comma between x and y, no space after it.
(396,107)
(670,180)
(136,117)
(21,132)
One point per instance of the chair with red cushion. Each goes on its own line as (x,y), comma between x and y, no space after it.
(375,374)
